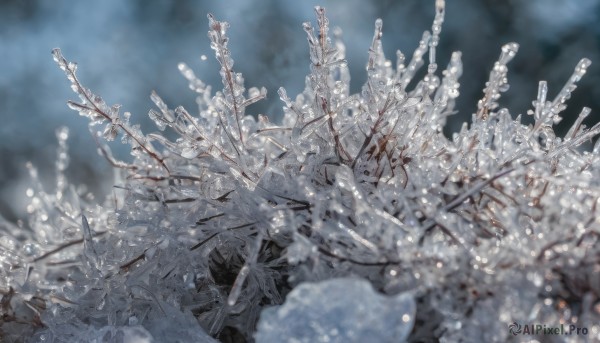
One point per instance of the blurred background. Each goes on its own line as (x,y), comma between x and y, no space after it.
(126,49)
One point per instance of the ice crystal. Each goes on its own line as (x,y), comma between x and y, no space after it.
(226,214)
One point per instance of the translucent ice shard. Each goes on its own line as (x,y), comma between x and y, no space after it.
(338,310)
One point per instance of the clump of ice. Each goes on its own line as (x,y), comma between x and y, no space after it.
(338,310)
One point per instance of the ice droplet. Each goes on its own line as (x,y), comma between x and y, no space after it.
(62,133)
(581,68)
(30,249)
(508,52)
(307,26)
(253,92)
(158,119)
(378,24)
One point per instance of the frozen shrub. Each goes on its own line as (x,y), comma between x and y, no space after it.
(494,226)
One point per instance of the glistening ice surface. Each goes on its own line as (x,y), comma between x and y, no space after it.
(337,310)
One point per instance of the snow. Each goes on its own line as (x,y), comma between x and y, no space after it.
(338,310)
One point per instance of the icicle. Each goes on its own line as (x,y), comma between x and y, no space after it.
(576,127)
(558,105)
(449,88)
(245,271)
(344,71)
(400,67)
(376,51)
(436,29)
(497,82)
(89,251)
(91,106)
(540,104)
(233,84)
(417,60)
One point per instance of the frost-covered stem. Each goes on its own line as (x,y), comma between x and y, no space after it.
(184,113)
(64,246)
(565,93)
(375,50)
(217,35)
(578,140)
(322,59)
(436,29)
(417,60)
(105,152)
(69,69)
(468,193)
(497,82)
(431,223)
(341,153)
(540,114)
(448,91)
(374,130)
(574,130)
(199,244)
